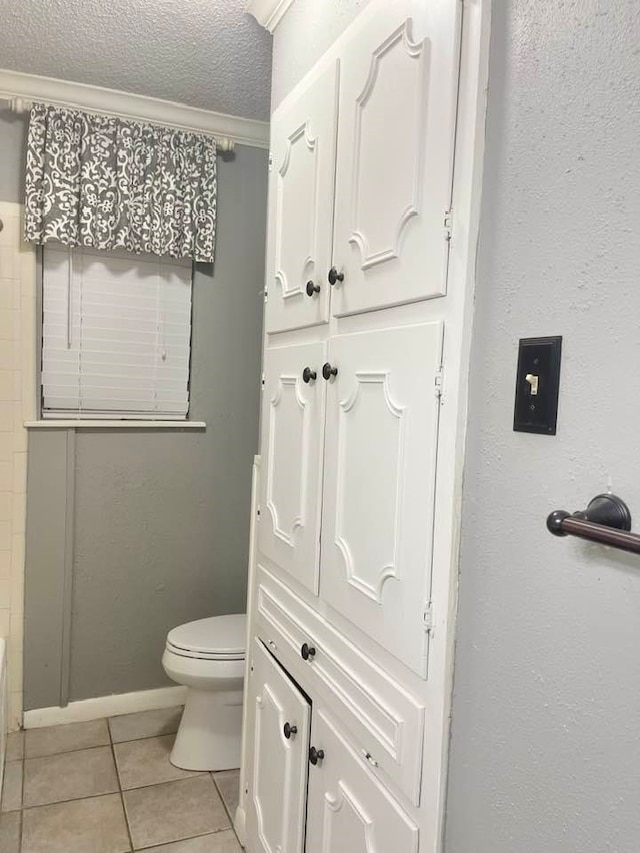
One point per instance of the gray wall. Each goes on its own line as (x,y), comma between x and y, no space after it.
(130,533)
(546,747)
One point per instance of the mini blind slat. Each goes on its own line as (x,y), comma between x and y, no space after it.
(116,335)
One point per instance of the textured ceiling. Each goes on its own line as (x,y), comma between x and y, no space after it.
(206,53)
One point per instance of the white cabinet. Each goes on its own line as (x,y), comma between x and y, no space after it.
(379,482)
(303,139)
(398,93)
(347,808)
(279,718)
(292,440)
(383,223)
(354,572)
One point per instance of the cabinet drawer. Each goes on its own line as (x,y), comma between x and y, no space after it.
(385,723)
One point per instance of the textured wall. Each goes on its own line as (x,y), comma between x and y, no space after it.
(210,55)
(546,747)
(161,520)
(308,28)
(12,148)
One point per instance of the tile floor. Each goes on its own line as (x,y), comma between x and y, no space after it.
(107,786)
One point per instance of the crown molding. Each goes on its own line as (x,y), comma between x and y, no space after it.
(268,13)
(63,93)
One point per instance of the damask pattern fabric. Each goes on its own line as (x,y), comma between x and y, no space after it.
(109,183)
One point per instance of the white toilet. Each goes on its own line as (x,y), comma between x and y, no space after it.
(207,656)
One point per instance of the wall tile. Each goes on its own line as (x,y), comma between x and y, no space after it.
(6,506)
(5,592)
(5,564)
(5,622)
(6,417)
(9,262)
(7,354)
(6,325)
(6,473)
(17,553)
(20,472)
(6,292)
(5,535)
(18,402)
(17,598)
(15,709)
(17,385)
(6,384)
(18,514)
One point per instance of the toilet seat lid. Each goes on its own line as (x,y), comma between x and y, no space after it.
(217,636)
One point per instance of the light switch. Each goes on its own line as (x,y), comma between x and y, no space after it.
(537,385)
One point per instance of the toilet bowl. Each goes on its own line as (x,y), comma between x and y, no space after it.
(207,657)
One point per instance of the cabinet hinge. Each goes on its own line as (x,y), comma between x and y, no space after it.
(427,617)
(263,382)
(447,224)
(258,512)
(270,161)
(266,294)
(437,382)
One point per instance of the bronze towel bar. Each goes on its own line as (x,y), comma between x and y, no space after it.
(606,520)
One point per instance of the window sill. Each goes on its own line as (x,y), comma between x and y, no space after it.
(77,423)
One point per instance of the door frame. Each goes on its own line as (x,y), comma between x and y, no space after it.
(466,202)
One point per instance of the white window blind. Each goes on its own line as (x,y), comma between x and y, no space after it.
(116,335)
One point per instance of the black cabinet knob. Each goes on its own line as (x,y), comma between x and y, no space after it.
(289,731)
(328,371)
(307,651)
(308,375)
(315,755)
(312,288)
(334,276)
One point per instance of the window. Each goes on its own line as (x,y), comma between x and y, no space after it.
(116,335)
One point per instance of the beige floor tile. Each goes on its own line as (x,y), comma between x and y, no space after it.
(96,825)
(12,787)
(146,762)
(69,776)
(10,832)
(55,739)
(15,746)
(228,782)
(174,811)
(218,842)
(164,721)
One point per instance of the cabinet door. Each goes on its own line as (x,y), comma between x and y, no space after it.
(292,433)
(277,779)
(398,95)
(303,141)
(347,808)
(379,483)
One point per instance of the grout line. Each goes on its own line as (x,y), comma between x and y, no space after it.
(74,800)
(119,781)
(24,774)
(224,802)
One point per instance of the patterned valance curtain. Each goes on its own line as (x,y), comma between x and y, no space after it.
(110,183)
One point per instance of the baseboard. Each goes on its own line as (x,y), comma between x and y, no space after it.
(240,825)
(105,706)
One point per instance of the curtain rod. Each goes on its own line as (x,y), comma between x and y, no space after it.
(20,106)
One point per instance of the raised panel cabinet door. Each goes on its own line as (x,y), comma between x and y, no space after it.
(301,185)
(398,96)
(277,778)
(348,809)
(379,483)
(292,434)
